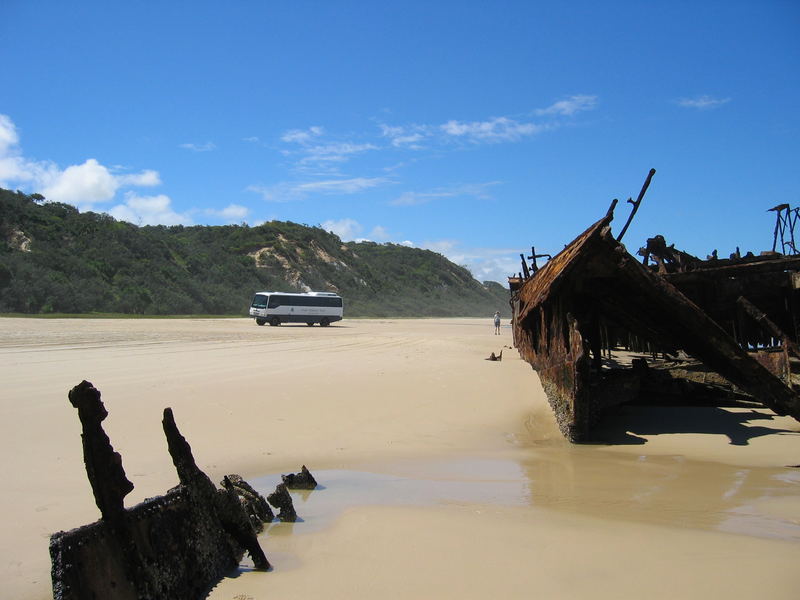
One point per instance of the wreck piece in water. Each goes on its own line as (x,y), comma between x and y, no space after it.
(173,546)
(564,310)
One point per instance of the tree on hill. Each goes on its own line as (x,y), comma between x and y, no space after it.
(54,258)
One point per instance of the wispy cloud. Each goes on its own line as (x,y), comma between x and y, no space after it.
(474,190)
(302,136)
(408,136)
(317,152)
(207,147)
(703,102)
(336,152)
(233,213)
(485,264)
(498,129)
(346,229)
(350,230)
(145,178)
(492,130)
(341,186)
(568,106)
(289,191)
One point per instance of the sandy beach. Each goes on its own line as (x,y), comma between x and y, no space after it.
(442,474)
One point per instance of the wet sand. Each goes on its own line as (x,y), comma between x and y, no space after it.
(442,474)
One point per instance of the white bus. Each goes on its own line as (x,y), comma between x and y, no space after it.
(285,307)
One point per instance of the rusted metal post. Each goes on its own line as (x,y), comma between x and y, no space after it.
(103,465)
(534,256)
(637,203)
(525,269)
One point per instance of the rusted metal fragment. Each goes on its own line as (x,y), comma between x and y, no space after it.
(173,546)
(103,466)
(282,500)
(303,480)
(254,504)
(770,282)
(223,505)
(593,285)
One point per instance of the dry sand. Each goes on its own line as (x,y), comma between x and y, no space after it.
(442,474)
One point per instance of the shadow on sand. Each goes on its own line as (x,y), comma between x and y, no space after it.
(625,424)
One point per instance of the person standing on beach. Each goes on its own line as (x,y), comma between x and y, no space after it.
(497,323)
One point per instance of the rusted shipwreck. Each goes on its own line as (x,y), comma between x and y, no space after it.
(591,294)
(173,546)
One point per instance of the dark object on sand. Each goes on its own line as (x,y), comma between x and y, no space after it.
(593,291)
(496,357)
(254,504)
(282,500)
(173,546)
(303,480)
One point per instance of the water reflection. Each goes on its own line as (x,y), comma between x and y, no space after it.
(659,490)
(664,490)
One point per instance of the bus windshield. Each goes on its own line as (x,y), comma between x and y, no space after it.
(259,301)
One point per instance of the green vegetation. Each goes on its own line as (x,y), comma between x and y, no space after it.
(56,260)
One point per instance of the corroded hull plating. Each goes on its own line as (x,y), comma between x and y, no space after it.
(560,310)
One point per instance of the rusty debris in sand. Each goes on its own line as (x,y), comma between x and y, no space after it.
(732,320)
(303,480)
(173,546)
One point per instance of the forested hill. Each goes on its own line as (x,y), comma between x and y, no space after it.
(56,259)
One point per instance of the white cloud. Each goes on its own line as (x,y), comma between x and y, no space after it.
(143,179)
(341,186)
(415,198)
(405,137)
(499,129)
(379,234)
(207,147)
(232,213)
(346,229)
(316,154)
(569,106)
(473,190)
(148,210)
(334,152)
(289,191)
(444,247)
(302,136)
(15,168)
(82,185)
(703,102)
(485,264)
(8,134)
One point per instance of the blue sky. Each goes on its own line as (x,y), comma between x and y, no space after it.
(476,129)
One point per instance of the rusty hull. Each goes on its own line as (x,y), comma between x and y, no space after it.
(561,310)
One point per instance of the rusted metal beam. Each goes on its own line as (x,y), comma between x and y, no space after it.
(762,319)
(637,203)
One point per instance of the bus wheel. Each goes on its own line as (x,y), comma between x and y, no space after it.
(323,322)
(261,321)
(310,323)
(274,321)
